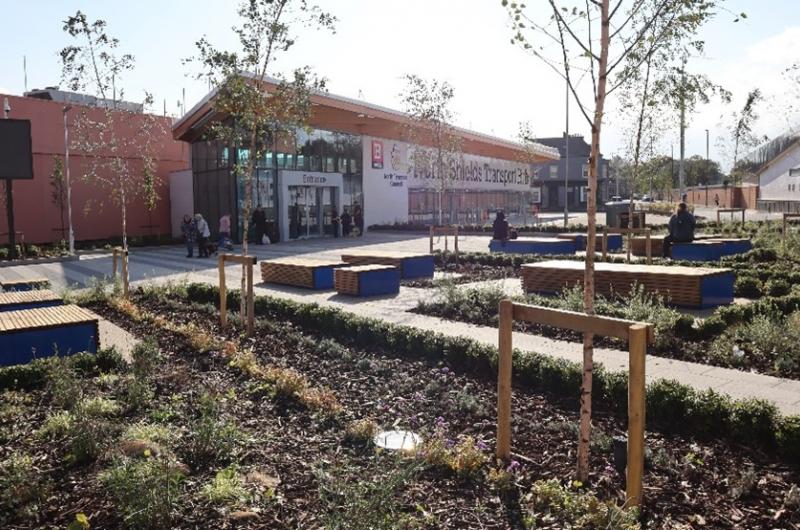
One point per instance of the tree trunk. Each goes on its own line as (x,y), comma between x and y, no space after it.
(637,151)
(588,281)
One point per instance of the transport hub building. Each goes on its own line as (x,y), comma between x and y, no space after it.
(356,157)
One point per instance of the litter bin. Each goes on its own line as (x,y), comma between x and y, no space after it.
(638,219)
(614,210)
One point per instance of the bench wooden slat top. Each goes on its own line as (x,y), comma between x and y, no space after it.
(391,254)
(23,281)
(635,268)
(44,317)
(535,240)
(303,262)
(25,297)
(366,268)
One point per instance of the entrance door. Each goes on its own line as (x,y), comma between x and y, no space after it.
(304,212)
(326,197)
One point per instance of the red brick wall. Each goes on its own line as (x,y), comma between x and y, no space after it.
(34,212)
(729,196)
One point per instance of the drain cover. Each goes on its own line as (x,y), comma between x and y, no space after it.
(397,440)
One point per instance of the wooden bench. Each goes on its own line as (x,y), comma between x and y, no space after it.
(682,286)
(639,246)
(25,284)
(14,301)
(410,264)
(45,331)
(367,280)
(614,241)
(533,245)
(311,273)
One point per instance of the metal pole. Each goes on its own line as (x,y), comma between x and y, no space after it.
(566,159)
(708,160)
(681,168)
(12,235)
(69,185)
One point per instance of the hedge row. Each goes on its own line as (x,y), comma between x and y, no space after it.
(34,374)
(671,406)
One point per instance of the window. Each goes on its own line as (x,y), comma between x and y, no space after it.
(554,171)
(585,170)
(583,190)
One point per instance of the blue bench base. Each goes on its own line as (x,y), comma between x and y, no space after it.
(523,246)
(696,251)
(29,305)
(717,290)
(21,347)
(417,267)
(379,283)
(323,278)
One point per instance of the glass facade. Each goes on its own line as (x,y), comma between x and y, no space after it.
(217,191)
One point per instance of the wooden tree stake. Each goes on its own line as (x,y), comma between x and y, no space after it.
(504,363)
(637,347)
(223,294)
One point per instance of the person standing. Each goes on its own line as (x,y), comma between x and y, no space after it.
(716,199)
(681,228)
(260,223)
(203,233)
(225,232)
(335,221)
(189,231)
(346,221)
(358,219)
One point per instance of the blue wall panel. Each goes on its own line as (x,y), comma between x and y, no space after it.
(22,346)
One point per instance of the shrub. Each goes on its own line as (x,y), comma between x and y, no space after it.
(145,358)
(212,437)
(777,287)
(35,373)
(573,509)
(145,490)
(21,487)
(227,488)
(361,432)
(748,286)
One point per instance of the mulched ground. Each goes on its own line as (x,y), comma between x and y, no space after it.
(688,484)
(469,272)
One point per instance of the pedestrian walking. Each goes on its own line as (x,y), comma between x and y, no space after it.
(225,232)
(203,233)
(358,219)
(259,219)
(189,231)
(347,222)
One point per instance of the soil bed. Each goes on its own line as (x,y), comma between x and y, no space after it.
(688,484)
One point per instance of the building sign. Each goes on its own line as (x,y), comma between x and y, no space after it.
(536,195)
(314,179)
(377,154)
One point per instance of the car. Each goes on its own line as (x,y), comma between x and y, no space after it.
(616,198)
(647,198)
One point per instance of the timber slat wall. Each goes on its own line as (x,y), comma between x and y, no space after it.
(295,271)
(395,259)
(679,285)
(346,279)
(12,299)
(45,317)
(24,284)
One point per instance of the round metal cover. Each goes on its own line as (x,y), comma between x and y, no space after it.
(397,440)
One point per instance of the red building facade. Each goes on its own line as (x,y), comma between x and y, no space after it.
(94,216)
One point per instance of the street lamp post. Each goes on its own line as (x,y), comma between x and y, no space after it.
(566,161)
(66,180)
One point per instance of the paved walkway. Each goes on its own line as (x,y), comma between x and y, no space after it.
(169,263)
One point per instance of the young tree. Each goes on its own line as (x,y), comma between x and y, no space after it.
(58,191)
(742,137)
(255,115)
(437,144)
(594,40)
(118,140)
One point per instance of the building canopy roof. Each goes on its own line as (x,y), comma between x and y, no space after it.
(342,114)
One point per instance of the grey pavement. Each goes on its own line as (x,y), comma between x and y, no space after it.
(161,264)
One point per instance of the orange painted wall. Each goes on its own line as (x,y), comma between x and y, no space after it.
(34,212)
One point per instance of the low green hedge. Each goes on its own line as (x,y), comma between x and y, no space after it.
(34,374)
(671,406)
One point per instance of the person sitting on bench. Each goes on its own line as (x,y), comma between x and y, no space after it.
(681,228)
(500,229)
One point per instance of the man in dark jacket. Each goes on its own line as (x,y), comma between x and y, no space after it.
(500,227)
(681,228)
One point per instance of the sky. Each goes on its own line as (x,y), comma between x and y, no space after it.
(465,42)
